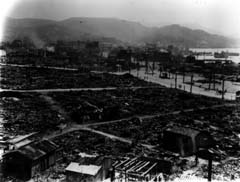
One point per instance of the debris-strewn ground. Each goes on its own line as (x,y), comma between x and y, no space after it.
(221,172)
(23,113)
(97,106)
(44,78)
(221,122)
(217,121)
(84,141)
(26,112)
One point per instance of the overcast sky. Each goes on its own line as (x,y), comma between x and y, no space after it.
(221,16)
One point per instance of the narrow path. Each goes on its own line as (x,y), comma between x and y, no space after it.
(157,115)
(113,137)
(32,66)
(77,89)
(81,127)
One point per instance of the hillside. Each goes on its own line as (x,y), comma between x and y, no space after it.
(176,34)
(42,31)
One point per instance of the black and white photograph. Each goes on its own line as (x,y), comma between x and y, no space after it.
(120,91)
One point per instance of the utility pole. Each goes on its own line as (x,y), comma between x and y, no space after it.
(125,175)
(223,92)
(129,64)
(191,83)
(137,69)
(210,169)
(153,68)
(183,77)
(146,66)
(176,80)
(209,80)
(214,81)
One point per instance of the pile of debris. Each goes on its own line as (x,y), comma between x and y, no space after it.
(27,112)
(225,171)
(46,78)
(95,106)
(84,141)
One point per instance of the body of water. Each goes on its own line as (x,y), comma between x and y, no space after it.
(235,59)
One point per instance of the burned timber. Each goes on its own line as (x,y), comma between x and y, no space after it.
(117,113)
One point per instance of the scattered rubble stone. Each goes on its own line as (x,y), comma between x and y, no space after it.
(44,78)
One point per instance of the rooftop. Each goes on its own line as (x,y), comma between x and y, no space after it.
(83,169)
(20,138)
(35,150)
(183,131)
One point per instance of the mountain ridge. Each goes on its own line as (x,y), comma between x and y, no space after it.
(88,28)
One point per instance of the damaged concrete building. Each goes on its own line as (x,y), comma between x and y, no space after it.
(186,141)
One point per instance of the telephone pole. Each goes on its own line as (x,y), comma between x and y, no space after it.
(183,77)
(214,81)
(209,80)
(223,92)
(191,83)
(176,80)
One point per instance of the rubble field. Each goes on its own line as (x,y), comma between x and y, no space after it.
(22,113)
(27,112)
(84,141)
(98,106)
(36,61)
(222,123)
(44,78)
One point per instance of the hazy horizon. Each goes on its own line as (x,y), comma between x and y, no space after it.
(215,16)
(161,24)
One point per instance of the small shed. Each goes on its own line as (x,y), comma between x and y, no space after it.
(88,173)
(26,161)
(89,168)
(186,141)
